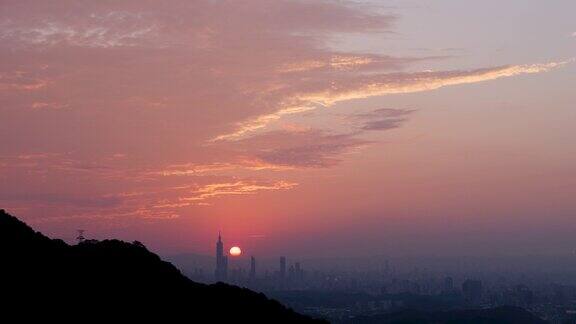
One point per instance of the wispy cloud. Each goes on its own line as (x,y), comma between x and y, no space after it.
(261,122)
(327,92)
(309,148)
(235,188)
(386,84)
(243,163)
(22,81)
(48,105)
(60,199)
(383,119)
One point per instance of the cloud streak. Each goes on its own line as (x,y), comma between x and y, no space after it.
(387,84)
(235,189)
(328,92)
(383,119)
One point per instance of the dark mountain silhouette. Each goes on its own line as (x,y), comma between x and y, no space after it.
(114,281)
(499,315)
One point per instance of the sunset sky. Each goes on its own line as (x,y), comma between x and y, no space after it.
(300,128)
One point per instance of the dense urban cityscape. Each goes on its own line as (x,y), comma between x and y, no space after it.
(340,294)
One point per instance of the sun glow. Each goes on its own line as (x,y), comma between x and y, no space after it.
(235,251)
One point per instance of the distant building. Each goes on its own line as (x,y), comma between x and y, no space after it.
(221,272)
(252,268)
(295,273)
(282,267)
(299,272)
(291,273)
(519,295)
(472,290)
(448,284)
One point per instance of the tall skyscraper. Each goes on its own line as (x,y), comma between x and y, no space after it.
(252,268)
(221,272)
(282,268)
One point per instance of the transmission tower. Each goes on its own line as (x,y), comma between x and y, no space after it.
(80,237)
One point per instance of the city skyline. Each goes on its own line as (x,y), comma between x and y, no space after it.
(286,275)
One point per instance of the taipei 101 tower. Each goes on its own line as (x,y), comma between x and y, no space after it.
(221,261)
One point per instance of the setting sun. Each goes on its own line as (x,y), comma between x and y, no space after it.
(235,251)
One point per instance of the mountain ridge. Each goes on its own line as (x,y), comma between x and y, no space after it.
(115,279)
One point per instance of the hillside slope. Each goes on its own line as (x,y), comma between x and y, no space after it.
(111,281)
